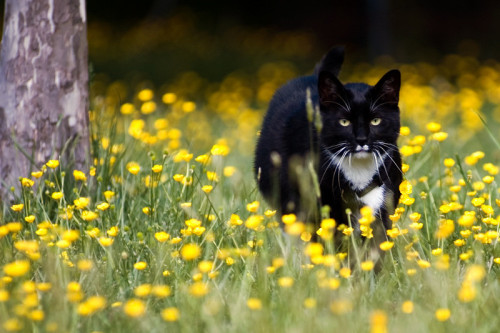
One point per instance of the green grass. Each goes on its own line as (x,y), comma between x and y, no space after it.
(252,258)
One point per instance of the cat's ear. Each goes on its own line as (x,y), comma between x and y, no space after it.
(330,89)
(331,61)
(387,88)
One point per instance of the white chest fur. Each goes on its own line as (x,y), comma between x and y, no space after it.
(374,198)
(359,171)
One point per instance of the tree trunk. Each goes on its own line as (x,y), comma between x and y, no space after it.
(43,88)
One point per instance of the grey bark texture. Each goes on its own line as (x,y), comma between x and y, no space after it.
(43,88)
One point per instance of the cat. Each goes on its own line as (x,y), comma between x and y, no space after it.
(352,147)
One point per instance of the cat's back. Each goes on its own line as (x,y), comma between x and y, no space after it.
(286,111)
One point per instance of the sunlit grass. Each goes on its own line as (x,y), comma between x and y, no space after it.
(167,230)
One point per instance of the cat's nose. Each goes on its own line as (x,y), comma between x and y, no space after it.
(362,140)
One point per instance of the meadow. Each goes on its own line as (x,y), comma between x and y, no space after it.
(166,231)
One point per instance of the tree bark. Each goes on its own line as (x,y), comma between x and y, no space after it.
(43,88)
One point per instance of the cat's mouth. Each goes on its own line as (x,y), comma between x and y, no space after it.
(362,151)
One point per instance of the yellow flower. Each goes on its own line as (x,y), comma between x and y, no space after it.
(183,155)
(143,290)
(488,179)
(487,209)
(203,159)
(367,265)
(407,307)
(288,219)
(79,175)
(190,251)
(178,177)
(103,206)
(91,305)
(17,208)
(198,289)
(467,292)
(285,282)
(26,182)
(440,136)
(423,263)
(405,187)
(449,162)
(134,308)
(84,265)
(170,314)
(141,265)
(207,188)
(12,324)
(205,266)
(109,195)
(161,291)
(88,215)
(56,195)
(345,272)
(82,202)
(127,108)
(442,314)
(253,206)
(188,106)
(14,226)
(254,303)
(106,241)
(212,176)
(162,236)
(148,107)
(295,229)
(386,246)
(36,315)
(475,273)
(404,131)
(133,168)
(314,249)
(71,235)
(37,174)
(221,149)
(378,322)
(169,98)
(229,171)
(17,268)
(30,218)
(477,202)
(52,164)
(157,168)
(145,95)
(348,231)
(433,127)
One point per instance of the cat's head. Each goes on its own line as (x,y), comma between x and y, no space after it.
(358,119)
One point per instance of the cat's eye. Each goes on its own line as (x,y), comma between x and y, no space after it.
(375,121)
(344,122)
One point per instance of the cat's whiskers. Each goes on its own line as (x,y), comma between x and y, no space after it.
(382,163)
(376,162)
(386,153)
(388,145)
(331,159)
(339,165)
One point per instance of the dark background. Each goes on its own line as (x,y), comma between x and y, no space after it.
(226,35)
(406,29)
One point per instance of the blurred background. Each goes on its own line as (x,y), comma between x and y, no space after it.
(160,38)
(193,61)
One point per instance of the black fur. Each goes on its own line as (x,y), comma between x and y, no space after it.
(288,140)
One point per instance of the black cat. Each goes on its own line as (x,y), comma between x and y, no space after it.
(352,149)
